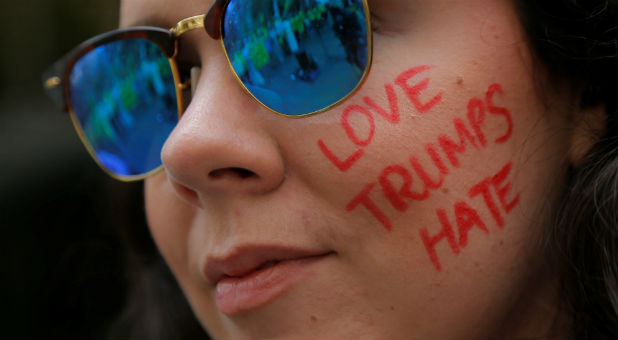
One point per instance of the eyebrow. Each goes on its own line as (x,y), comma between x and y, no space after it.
(155,21)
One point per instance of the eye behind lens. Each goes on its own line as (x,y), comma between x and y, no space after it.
(124,105)
(298,59)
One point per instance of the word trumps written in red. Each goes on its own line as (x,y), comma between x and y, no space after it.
(443,157)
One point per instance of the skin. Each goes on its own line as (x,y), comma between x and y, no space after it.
(378,284)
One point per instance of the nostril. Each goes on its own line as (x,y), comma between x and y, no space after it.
(236,172)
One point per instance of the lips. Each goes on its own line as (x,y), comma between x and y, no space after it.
(253,276)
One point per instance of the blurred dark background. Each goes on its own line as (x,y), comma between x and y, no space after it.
(62,269)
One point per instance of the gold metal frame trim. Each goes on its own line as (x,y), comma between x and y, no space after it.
(188,24)
(52,82)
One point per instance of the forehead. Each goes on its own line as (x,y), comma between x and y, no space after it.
(166,13)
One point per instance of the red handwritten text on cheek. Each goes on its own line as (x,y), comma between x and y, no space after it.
(400,184)
(391,117)
(413,91)
(343,165)
(444,155)
(352,134)
(484,189)
(467,218)
(364,200)
(493,89)
(397,196)
(452,148)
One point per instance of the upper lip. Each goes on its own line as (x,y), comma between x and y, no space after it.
(244,260)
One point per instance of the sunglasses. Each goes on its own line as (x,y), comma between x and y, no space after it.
(124,91)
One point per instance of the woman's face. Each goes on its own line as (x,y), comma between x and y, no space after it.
(413,209)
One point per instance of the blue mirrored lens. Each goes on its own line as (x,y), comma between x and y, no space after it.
(297,57)
(124,99)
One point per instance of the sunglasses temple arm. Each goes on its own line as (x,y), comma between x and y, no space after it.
(53,84)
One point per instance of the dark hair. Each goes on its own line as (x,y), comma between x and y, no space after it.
(577,42)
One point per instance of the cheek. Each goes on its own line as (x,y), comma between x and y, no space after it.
(169,220)
(407,130)
(427,147)
(438,177)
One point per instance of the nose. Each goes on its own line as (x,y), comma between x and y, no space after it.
(223,144)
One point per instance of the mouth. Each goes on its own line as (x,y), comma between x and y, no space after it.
(254,276)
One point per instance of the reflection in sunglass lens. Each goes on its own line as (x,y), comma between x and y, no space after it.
(297,57)
(123,98)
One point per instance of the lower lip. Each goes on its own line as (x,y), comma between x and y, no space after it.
(235,295)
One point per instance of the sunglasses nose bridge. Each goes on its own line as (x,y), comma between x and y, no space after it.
(186,25)
(211,21)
